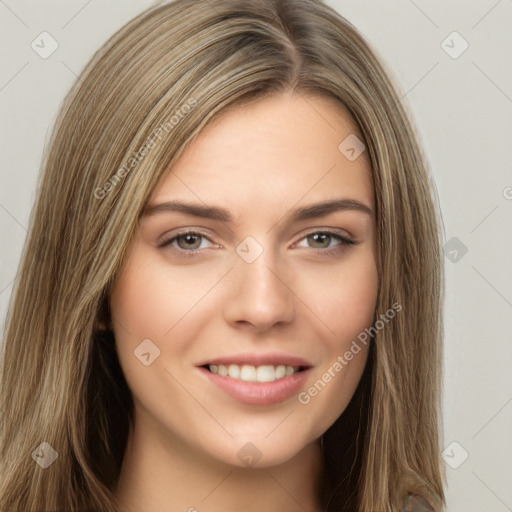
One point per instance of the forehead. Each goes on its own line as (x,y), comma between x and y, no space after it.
(271,152)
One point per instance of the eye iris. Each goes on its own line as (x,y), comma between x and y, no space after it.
(193,241)
(189,238)
(320,238)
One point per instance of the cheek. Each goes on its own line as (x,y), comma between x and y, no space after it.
(150,301)
(167,305)
(356,300)
(344,299)
(347,308)
(151,298)
(143,307)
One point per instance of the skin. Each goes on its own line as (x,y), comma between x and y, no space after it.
(259,162)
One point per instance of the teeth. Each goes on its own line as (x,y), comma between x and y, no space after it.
(234,371)
(248,373)
(265,374)
(280,371)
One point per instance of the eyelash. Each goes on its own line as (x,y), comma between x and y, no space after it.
(344,242)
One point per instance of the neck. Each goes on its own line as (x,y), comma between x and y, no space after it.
(166,476)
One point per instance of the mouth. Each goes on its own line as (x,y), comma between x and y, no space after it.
(251,373)
(257,379)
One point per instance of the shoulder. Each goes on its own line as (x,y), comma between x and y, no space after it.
(415,503)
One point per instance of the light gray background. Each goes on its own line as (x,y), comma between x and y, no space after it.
(463,111)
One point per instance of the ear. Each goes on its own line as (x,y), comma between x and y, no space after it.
(100,325)
(103,322)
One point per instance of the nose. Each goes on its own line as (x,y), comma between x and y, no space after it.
(259,296)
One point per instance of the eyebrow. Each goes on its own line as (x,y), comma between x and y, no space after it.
(296,215)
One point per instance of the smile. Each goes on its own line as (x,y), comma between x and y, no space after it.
(250,373)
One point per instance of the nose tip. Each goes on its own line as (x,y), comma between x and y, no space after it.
(259,296)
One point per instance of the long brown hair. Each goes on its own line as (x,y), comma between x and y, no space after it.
(171,71)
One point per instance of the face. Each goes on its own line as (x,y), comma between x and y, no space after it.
(251,275)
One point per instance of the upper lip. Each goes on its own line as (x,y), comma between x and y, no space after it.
(274,359)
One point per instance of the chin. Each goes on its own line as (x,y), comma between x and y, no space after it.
(258,452)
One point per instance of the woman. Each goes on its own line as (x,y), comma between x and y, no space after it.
(180,336)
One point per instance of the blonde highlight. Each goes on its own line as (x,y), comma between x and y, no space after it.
(55,365)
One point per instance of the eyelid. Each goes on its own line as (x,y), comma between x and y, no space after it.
(346,238)
(167,239)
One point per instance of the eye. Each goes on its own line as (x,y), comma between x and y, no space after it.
(191,243)
(323,241)
(188,241)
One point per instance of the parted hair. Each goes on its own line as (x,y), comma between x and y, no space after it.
(174,69)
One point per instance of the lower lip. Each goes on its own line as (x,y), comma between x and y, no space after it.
(259,393)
